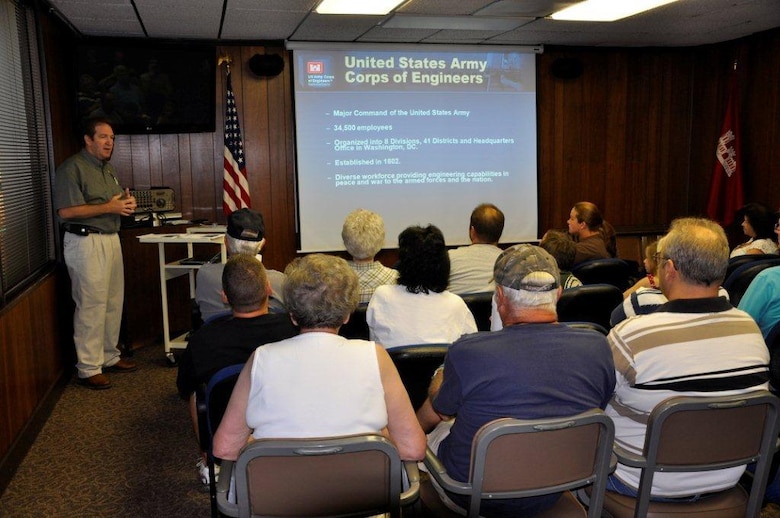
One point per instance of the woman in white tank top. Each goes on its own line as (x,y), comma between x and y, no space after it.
(319,384)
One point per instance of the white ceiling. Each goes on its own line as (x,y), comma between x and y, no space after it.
(684,23)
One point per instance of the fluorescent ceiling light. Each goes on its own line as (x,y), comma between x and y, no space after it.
(606,10)
(357,6)
(464,23)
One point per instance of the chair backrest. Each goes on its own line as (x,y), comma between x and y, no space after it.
(513,458)
(217,395)
(480,305)
(588,325)
(416,364)
(346,476)
(705,433)
(357,327)
(612,271)
(589,303)
(211,401)
(736,262)
(737,283)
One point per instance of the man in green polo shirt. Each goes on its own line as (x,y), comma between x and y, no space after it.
(89,203)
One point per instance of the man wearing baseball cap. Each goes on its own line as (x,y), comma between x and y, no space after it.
(245,235)
(533,368)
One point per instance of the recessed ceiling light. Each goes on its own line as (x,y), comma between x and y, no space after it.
(606,10)
(377,7)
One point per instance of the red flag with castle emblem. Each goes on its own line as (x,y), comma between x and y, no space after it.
(726,195)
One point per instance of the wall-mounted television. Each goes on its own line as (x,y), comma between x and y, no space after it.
(147,87)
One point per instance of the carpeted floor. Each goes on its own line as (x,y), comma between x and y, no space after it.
(128,451)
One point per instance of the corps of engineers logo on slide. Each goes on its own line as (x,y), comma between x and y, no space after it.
(316,74)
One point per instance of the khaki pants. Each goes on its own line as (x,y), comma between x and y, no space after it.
(96,272)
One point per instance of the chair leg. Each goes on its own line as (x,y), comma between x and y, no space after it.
(212,487)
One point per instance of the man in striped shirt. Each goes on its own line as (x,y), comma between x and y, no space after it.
(696,344)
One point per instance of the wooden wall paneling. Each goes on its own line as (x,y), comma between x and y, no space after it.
(760,82)
(180,180)
(256,141)
(286,176)
(202,160)
(557,183)
(641,111)
(30,357)
(545,109)
(616,135)
(595,114)
(8,427)
(157,164)
(544,106)
(671,177)
(122,160)
(649,142)
(169,171)
(218,145)
(140,155)
(281,202)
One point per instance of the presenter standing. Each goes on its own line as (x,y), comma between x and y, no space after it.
(89,203)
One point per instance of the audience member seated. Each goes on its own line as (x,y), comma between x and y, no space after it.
(245,235)
(695,344)
(363,234)
(594,237)
(651,270)
(645,301)
(229,340)
(319,384)
(647,298)
(562,248)
(523,371)
(559,245)
(758,223)
(762,299)
(471,267)
(419,309)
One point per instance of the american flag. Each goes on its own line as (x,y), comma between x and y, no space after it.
(235,187)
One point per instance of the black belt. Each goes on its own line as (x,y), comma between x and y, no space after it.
(83,230)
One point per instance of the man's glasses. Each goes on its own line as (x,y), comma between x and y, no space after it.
(658,258)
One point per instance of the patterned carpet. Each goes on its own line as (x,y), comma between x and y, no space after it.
(128,451)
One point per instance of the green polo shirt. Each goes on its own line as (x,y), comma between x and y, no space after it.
(84,180)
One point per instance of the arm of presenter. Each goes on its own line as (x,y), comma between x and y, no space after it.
(123,204)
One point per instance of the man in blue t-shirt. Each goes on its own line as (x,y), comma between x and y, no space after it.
(533,368)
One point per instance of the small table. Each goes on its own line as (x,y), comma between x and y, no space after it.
(170,270)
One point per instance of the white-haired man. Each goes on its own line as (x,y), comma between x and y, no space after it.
(245,235)
(533,368)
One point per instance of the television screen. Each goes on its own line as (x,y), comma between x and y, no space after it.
(147,87)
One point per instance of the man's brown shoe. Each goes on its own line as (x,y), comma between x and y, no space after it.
(96,382)
(122,365)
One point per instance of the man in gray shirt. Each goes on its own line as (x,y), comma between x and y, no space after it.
(89,203)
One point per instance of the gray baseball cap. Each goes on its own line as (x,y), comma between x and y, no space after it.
(527,267)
